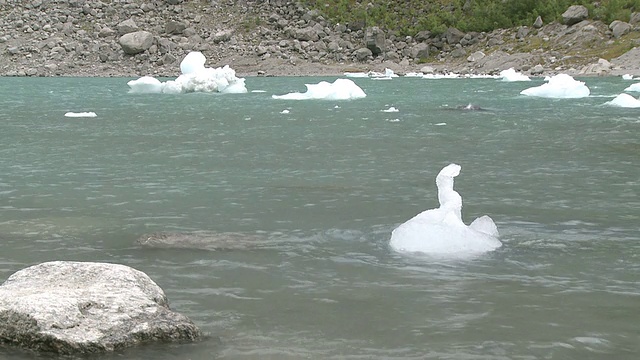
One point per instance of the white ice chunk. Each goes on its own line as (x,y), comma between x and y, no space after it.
(146,85)
(441,231)
(80,114)
(633,87)
(341,89)
(625,101)
(390,110)
(512,75)
(192,63)
(561,86)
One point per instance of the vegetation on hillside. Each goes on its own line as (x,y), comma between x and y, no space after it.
(408,17)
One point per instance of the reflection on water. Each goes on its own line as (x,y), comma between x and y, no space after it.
(327,183)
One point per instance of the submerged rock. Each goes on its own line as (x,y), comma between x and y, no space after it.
(86,307)
(202,240)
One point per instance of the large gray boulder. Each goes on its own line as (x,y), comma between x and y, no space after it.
(86,307)
(375,40)
(574,14)
(136,42)
(619,28)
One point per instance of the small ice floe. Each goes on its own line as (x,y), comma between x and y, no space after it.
(80,114)
(341,89)
(414,74)
(561,86)
(511,75)
(633,87)
(258,91)
(390,110)
(356,74)
(285,111)
(624,101)
(627,77)
(393,120)
(440,124)
(387,75)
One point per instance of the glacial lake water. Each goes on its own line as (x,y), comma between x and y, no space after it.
(326,183)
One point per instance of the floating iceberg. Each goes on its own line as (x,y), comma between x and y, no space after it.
(441,231)
(512,75)
(341,89)
(625,101)
(633,87)
(195,78)
(561,86)
(627,77)
(80,114)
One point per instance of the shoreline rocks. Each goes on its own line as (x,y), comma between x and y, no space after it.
(86,307)
(276,37)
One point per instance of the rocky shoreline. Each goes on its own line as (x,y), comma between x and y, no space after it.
(130,38)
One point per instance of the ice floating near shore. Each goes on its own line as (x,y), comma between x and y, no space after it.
(341,89)
(512,75)
(80,114)
(633,87)
(627,77)
(441,231)
(195,78)
(560,86)
(387,75)
(625,101)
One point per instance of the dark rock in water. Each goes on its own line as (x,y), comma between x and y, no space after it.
(202,240)
(86,307)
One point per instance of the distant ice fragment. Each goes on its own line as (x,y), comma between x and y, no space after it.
(560,86)
(80,114)
(390,110)
(341,89)
(441,231)
(624,101)
(512,75)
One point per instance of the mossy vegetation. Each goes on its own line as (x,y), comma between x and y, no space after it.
(408,17)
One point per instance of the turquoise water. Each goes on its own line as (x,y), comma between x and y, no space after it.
(325,184)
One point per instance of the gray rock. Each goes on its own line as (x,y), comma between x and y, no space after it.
(537,70)
(420,51)
(212,241)
(136,42)
(363,54)
(305,34)
(86,307)
(619,28)
(538,23)
(574,14)
(374,40)
(127,26)
(453,35)
(174,27)
(634,18)
(222,36)
(476,56)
